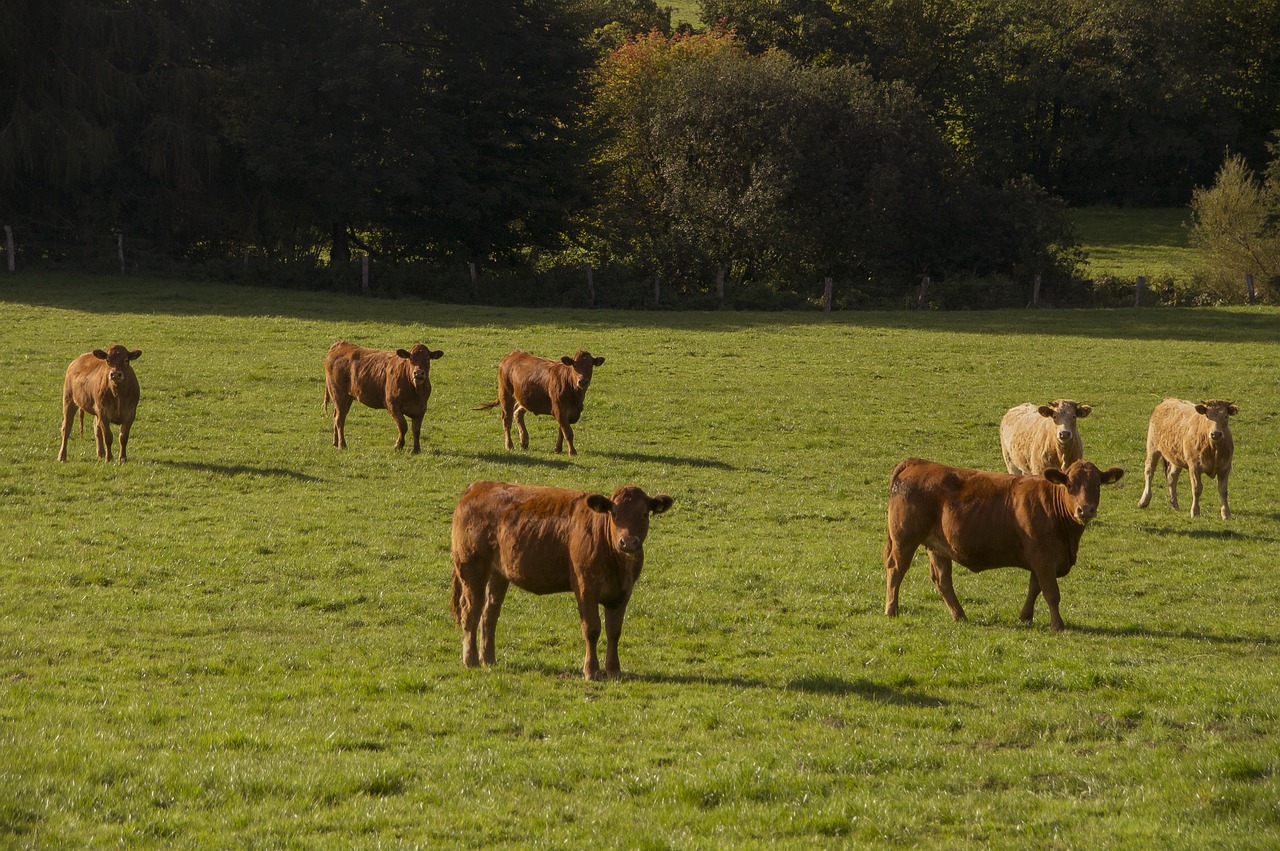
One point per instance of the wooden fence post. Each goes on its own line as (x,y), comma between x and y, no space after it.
(475,283)
(1035,291)
(924,291)
(657,290)
(591,287)
(720,287)
(1139,290)
(826,295)
(364,273)
(120,249)
(1248,284)
(8,245)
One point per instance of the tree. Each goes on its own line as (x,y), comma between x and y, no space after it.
(1235,231)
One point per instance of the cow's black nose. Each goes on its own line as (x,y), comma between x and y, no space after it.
(629,544)
(1215,435)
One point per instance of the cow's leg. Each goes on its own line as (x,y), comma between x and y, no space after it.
(1047,577)
(68,416)
(524,432)
(566,434)
(1029,607)
(1197,487)
(341,404)
(897,558)
(940,570)
(124,439)
(1222,494)
(589,613)
(508,411)
(402,425)
(416,422)
(1148,473)
(472,606)
(495,593)
(1171,473)
(103,428)
(613,634)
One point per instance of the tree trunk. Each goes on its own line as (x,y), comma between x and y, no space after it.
(340,251)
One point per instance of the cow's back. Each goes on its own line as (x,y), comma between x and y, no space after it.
(532,381)
(88,385)
(1181,435)
(360,372)
(1029,442)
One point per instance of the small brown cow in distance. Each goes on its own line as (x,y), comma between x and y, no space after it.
(1034,438)
(105,385)
(1186,436)
(983,520)
(547,541)
(541,386)
(398,381)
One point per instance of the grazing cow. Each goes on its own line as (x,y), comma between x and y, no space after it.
(1184,435)
(548,540)
(1034,438)
(105,385)
(399,381)
(541,386)
(984,520)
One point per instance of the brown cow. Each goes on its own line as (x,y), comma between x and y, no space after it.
(1184,435)
(105,385)
(546,541)
(398,381)
(541,386)
(1034,438)
(984,520)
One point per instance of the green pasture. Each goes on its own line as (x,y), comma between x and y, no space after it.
(241,638)
(1125,243)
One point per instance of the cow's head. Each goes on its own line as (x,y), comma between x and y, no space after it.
(582,363)
(420,360)
(1217,412)
(1083,482)
(1064,413)
(117,358)
(628,512)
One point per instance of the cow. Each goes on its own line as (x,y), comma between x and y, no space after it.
(542,386)
(104,384)
(398,381)
(983,520)
(1034,438)
(1186,436)
(548,540)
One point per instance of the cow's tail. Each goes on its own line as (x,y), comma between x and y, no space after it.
(455,601)
(486,406)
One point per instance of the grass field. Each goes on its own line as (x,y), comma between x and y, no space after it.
(241,638)
(1126,243)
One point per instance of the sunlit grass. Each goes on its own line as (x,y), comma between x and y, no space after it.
(1125,243)
(241,638)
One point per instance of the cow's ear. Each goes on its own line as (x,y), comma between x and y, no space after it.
(566,360)
(1055,475)
(437,355)
(1201,409)
(660,503)
(597,502)
(99,354)
(135,354)
(1083,411)
(1045,410)
(597,361)
(1110,477)
(1232,410)
(403,353)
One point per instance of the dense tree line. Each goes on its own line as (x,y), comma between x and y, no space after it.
(874,143)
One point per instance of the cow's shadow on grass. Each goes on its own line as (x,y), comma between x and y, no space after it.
(1138,631)
(521,458)
(674,460)
(241,470)
(814,684)
(1210,534)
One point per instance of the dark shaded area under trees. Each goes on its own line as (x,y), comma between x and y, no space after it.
(801,139)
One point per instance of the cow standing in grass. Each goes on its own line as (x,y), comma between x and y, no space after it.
(541,386)
(546,541)
(1034,438)
(398,381)
(104,384)
(983,520)
(1197,438)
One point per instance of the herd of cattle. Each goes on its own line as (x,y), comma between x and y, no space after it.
(547,540)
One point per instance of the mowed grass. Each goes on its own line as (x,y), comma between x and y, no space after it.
(1125,243)
(241,638)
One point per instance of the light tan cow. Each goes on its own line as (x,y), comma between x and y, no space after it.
(104,384)
(1186,436)
(1035,438)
